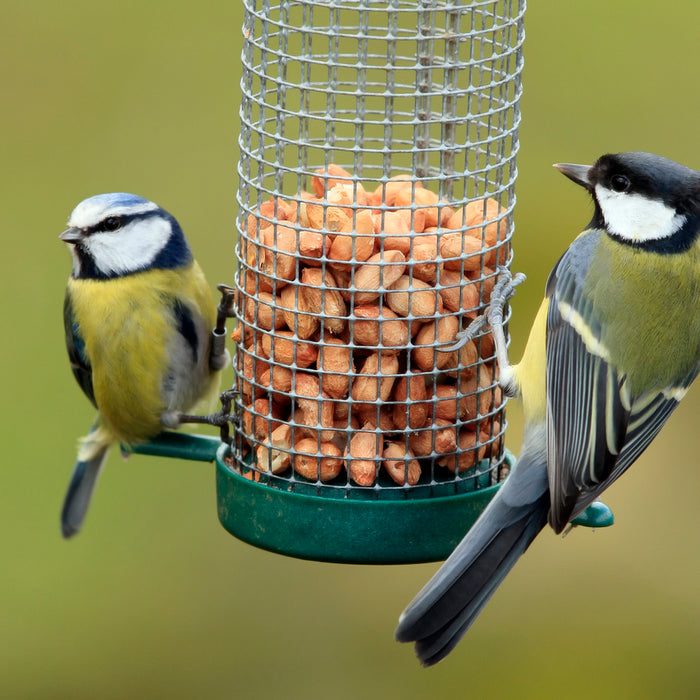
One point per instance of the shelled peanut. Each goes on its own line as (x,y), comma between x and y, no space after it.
(348,299)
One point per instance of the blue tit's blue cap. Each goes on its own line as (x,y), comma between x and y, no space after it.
(116,199)
(93,209)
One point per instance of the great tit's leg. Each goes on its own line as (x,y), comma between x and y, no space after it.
(501,294)
(463,337)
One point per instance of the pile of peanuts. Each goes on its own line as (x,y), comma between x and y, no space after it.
(345,297)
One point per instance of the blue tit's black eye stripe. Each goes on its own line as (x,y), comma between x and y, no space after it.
(185,326)
(114,223)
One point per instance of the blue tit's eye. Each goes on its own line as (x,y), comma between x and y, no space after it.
(111,223)
(619,183)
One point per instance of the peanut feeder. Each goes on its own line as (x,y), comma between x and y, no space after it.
(377,175)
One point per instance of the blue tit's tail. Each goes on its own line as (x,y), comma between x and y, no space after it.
(449,603)
(91,458)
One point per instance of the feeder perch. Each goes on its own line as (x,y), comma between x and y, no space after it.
(376,189)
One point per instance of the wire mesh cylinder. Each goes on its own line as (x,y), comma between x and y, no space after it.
(377,170)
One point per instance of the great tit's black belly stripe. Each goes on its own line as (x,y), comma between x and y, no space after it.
(186,327)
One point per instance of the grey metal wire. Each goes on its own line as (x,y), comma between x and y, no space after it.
(425,88)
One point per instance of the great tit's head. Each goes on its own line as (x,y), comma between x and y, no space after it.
(642,199)
(118,234)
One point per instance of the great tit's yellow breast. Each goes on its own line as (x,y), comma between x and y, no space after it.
(127,324)
(531,372)
(648,305)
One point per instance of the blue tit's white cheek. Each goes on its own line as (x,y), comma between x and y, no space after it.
(133,247)
(637,218)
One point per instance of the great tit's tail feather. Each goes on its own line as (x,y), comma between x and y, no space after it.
(91,458)
(450,602)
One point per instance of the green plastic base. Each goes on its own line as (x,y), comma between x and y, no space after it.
(404,527)
(341,529)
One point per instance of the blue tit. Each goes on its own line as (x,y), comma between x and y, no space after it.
(138,317)
(613,349)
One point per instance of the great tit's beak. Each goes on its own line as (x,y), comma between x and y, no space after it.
(72,235)
(577,173)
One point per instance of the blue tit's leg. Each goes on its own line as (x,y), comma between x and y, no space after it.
(219,419)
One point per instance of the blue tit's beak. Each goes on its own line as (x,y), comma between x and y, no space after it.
(578,173)
(72,235)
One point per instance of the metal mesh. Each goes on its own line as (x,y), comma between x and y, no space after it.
(352,282)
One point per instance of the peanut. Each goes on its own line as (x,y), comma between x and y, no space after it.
(401,464)
(387,192)
(414,219)
(421,301)
(426,355)
(327,178)
(461,251)
(392,231)
(275,456)
(378,273)
(294,305)
(313,409)
(278,261)
(356,247)
(377,416)
(283,347)
(375,325)
(321,297)
(312,246)
(458,292)
(467,455)
(262,311)
(336,365)
(361,455)
(375,379)
(411,393)
(317,462)
(483,213)
(260,419)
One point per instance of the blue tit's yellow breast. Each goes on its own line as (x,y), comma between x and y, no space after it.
(127,324)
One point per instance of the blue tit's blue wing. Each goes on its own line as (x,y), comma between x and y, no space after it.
(595,428)
(82,371)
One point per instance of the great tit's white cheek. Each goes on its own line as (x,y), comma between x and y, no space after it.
(635,217)
(133,247)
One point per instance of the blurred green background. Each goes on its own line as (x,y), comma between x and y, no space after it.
(154,598)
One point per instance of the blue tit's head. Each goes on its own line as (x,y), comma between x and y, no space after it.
(642,199)
(118,234)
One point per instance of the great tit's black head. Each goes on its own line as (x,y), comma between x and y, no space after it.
(118,234)
(642,199)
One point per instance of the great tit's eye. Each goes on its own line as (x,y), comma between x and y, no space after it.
(111,223)
(619,183)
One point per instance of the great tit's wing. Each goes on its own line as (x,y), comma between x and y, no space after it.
(79,363)
(587,415)
(595,428)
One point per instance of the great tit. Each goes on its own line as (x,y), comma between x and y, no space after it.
(613,349)
(138,316)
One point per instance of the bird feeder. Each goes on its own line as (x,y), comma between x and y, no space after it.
(378,145)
